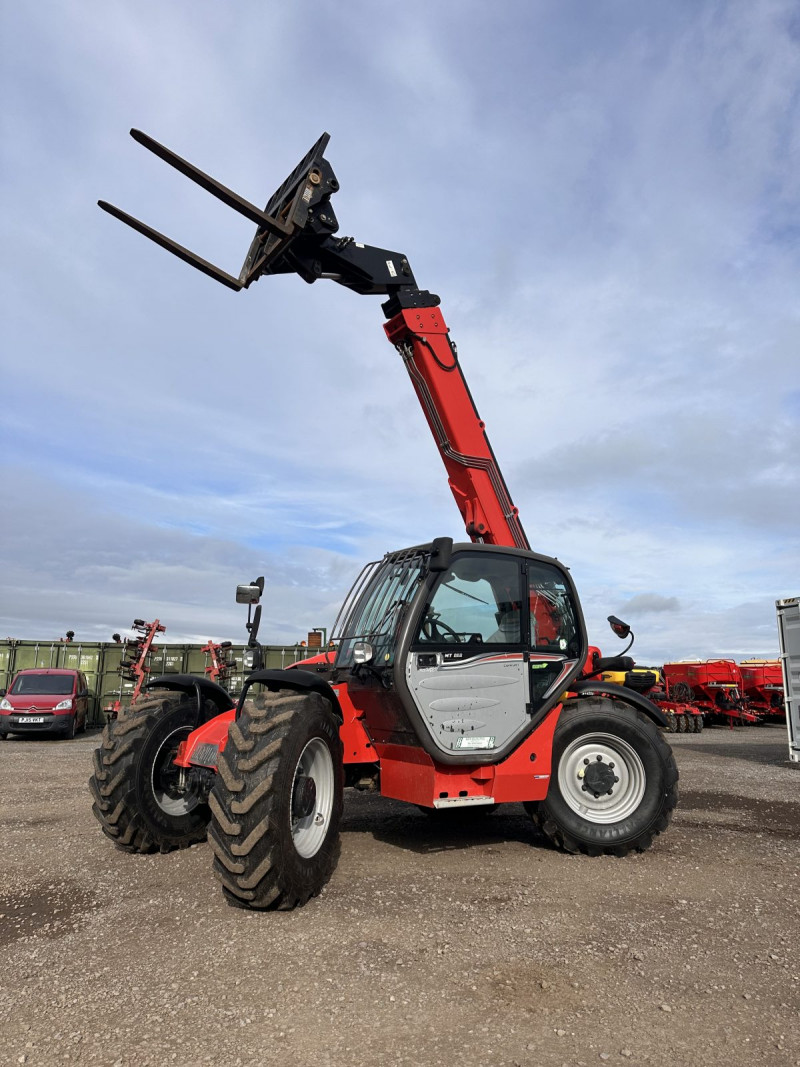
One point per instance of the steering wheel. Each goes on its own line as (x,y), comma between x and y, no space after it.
(434,629)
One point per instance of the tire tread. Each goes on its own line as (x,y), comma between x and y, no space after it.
(245,832)
(112,783)
(548,823)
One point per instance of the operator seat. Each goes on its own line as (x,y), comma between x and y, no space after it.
(508,628)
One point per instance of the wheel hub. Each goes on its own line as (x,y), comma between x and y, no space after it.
(168,782)
(598,776)
(601,777)
(304,797)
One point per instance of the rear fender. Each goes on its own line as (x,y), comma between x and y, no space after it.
(193,685)
(590,688)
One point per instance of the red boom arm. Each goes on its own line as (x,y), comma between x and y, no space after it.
(421,337)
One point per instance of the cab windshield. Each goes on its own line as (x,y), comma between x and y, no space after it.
(375,606)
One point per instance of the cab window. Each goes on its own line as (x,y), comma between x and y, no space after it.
(478,600)
(554,618)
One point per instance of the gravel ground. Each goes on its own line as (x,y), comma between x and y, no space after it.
(446,940)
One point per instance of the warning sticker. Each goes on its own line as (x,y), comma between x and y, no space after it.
(390,268)
(475,742)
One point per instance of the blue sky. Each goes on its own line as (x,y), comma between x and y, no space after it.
(606,195)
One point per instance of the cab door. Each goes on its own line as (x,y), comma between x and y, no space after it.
(467,668)
(556,637)
(499,637)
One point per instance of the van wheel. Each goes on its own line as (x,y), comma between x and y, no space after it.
(614,781)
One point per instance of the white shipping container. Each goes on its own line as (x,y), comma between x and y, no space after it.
(789,636)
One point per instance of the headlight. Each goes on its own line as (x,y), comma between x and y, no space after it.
(6,705)
(65,705)
(362,652)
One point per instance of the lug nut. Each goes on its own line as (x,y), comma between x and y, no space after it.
(586,762)
(599,759)
(615,779)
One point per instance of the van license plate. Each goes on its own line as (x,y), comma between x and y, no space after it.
(30,718)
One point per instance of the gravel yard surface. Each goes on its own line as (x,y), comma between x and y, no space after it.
(453,940)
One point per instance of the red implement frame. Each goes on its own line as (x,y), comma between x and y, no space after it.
(136,669)
(218,666)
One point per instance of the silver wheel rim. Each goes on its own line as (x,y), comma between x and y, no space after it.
(170,802)
(309,832)
(627,793)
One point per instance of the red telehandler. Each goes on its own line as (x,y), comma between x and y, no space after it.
(455,679)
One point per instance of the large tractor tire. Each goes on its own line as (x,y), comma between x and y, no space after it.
(138,799)
(613,784)
(698,723)
(277,802)
(683,723)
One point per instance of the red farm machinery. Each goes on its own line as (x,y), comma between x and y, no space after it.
(681,716)
(455,676)
(220,662)
(762,688)
(134,666)
(712,688)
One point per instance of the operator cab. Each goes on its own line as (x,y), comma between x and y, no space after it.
(478,642)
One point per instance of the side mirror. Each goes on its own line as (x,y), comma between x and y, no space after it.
(441,551)
(249,594)
(620,628)
(3,692)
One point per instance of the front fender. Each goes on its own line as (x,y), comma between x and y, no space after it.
(202,747)
(292,678)
(590,687)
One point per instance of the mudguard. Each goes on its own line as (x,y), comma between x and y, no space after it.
(293,678)
(193,685)
(589,687)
